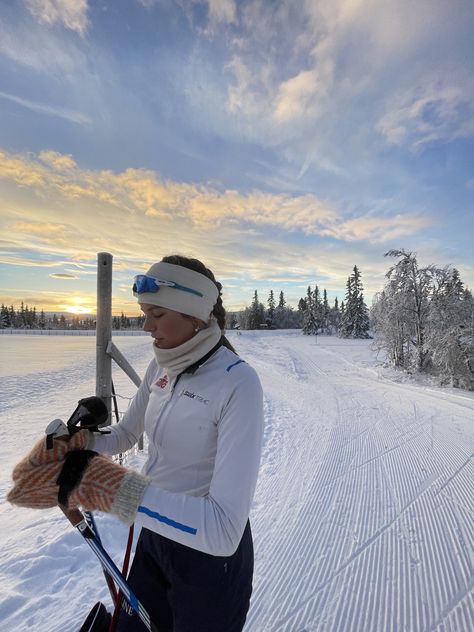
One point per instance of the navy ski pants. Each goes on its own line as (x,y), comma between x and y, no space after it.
(185,590)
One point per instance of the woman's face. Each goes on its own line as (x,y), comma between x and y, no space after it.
(168,328)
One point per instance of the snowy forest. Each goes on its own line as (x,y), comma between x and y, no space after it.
(423,318)
(314,315)
(29,318)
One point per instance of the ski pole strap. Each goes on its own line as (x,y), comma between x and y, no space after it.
(75,463)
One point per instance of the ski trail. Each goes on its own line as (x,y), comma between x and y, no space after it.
(353,523)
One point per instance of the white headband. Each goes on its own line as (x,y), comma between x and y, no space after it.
(196,298)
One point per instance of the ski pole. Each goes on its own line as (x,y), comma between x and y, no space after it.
(77,519)
(110,582)
(126,561)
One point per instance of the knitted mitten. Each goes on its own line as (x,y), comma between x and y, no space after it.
(36,486)
(101,485)
(84,478)
(41,454)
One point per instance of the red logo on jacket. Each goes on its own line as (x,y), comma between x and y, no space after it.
(162,381)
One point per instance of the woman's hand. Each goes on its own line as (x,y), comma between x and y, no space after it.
(75,478)
(42,455)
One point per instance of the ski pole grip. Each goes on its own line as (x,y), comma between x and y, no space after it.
(77,519)
(74,516)
(56,429)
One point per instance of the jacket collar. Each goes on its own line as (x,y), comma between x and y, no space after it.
(192,368)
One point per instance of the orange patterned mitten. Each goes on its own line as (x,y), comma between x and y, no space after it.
(83,478)
(41,455)
(36,487)
(107,486)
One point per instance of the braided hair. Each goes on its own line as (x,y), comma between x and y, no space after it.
(218,311)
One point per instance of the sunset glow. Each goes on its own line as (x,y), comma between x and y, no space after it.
(77,309)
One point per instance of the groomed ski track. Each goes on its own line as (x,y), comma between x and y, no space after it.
(363,517)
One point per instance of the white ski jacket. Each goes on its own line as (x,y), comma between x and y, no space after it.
(204,433)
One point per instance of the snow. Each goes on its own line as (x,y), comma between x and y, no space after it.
(363,515)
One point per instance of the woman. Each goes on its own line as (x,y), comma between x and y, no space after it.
(200,406)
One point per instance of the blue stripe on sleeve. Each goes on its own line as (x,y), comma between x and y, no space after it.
(235,363)
(165,520)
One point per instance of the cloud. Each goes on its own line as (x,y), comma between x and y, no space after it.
(142,193)
(379,229)
(39,228)
(59,275)
(148,4)
(439,109)
(222,11)
(310,81)
(50,110)
(57,161)
(69,13)
(295,96)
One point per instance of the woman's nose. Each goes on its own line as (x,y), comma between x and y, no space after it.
(147,325)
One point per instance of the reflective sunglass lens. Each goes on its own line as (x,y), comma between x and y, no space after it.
(144,284)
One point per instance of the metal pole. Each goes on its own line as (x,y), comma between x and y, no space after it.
(103,384)
(123,363)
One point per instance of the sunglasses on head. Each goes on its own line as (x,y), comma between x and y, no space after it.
(143,284)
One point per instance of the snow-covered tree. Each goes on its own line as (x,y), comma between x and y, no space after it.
(256,315)
(391,326)
(280,318)
(317,309)
(4,317)
(231,320)
(449,339)
(271,307)
(355,321)
(325,314)
(310,325)
(424,320)
(335,317)
(411,290)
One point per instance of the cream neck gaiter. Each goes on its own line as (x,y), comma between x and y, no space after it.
(176,360)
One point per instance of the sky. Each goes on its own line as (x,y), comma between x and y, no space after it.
(281,142)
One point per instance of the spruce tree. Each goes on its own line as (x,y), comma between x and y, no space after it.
(345,329)
(257,313)
(280,311)
(4,317)
(325,324)
(13,317)
(309,327)
(271,307)
(335,317)
(317,309)
(355,321)
(361,323)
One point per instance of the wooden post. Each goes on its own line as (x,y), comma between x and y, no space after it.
(103,384)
